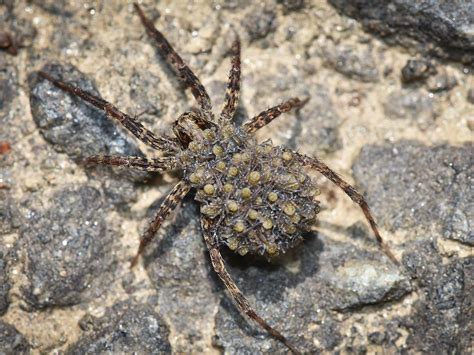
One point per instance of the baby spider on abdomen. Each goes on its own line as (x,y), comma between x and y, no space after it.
(255,198)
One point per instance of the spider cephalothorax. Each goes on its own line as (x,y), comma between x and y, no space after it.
(255,198)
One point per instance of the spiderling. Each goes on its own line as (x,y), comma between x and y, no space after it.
(255,198)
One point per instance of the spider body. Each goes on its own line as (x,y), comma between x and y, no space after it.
(257,194)
(255,198)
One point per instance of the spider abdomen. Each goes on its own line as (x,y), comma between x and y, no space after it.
(257,194)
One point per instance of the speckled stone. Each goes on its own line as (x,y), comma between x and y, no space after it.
(126,327)
(411,186)
(67,243)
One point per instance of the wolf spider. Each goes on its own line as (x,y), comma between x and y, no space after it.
(255,198)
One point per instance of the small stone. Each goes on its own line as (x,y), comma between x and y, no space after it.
(125,328)
(12,341)
(417,70)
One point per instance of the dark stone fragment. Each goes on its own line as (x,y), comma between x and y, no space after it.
(377,338)
(178,265)
(4,284)
(442,82)
(7,43)
(470,96)
(415,105)
(436,325)
(76,128)
(9,218)
(259,24)
(417,70)
(69,123)
(68,247)
(126,328)
(414,187)
(316,130)
(441,28)
(12,341)
(353,63)
(298,292)
(8,90)
(292,5)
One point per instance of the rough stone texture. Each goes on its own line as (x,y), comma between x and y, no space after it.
(339,293)
(12,341)
(441,320)
(420,188)
(442,82)
(436,28)
(470,96)
(427,191)
(417,70)
(414,105)
(297,294)
(179,269)
(4,284)
(80,130)
(9,218)
(68,243)
(70,124)
(126,327)
(352,62)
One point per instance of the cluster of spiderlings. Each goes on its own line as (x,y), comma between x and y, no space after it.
(258,194)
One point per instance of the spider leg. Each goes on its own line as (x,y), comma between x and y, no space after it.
(139,163)
(176,62)
(355,196)
(242,302)
(135,127)
(233,84)
(265,117)
(169,204)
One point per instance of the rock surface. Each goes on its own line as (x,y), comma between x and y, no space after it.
(426,190)
(68,243)
(337,293)
(12,341)
(420,188)
(125,328)
(439,28)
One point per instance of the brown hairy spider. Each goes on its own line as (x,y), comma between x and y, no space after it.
(255,198)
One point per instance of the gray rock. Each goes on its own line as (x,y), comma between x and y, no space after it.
(470,96)
(9,93)
(417,70)
(362,282)
(71,125)
(414,187)
(297,293)
(125,328)
(410,104)
(79,130)
(316,130)
(441,82)
(68,246)
(9,218)
(351,62)
(178,265)
(4,284)
(292,5)
(260,22)
(443,29)
(12,341)
(440,320)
